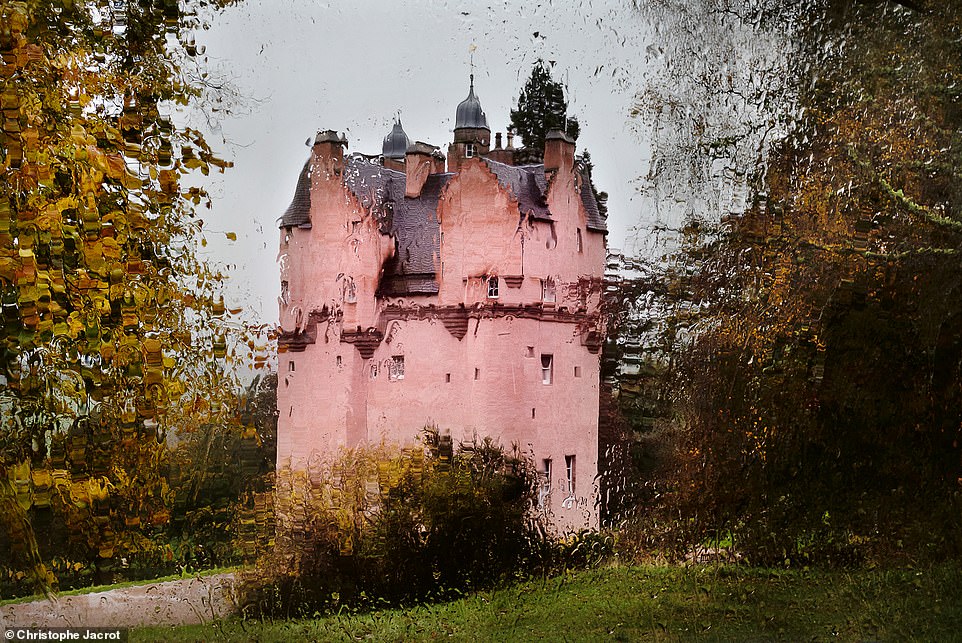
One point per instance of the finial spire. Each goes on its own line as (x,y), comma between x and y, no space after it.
(471,59)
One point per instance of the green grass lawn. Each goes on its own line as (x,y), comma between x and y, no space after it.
(650,603)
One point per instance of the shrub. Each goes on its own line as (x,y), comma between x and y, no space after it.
(386,526)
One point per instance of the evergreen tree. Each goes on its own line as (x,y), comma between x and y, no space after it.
(541,108)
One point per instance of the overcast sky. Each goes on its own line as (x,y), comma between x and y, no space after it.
(300,66)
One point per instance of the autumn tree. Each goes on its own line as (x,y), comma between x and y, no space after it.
(819,374)
(541,107)
(110,321)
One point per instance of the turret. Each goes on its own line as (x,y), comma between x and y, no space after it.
(472,136)
(394,147)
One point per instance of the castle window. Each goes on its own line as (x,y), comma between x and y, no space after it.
(532,413)
(477,373)
(579,242)
(290,366)
(447,378)
(570,474)
(374,370)
(545,492)
(469,150)
(548,292)
(350,291)
(339,361)
(492,287)
(547,368)
(285,292)
(396,368)
(529,351)
(577,371)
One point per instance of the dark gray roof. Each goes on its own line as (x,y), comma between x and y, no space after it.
(396,143)
(469,112)
(299,211)
(412,222)
(527,184)
(595,220)
(412,269)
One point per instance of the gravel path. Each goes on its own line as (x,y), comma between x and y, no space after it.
(177,602)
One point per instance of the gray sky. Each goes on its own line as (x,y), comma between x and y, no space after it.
(302,66)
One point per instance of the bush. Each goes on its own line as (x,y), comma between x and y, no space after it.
(387,526)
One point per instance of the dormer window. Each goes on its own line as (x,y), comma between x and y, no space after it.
(492,287)
(469,150)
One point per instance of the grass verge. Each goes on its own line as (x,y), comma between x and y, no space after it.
(649,603)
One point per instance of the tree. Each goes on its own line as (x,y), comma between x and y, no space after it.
(541,107)
(818,405)
(110,321)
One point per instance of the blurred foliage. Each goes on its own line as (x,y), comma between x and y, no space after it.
(386,526)
(541,108)
(113,334)
(818,369)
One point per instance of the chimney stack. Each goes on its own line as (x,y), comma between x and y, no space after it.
(419,163)
(328,151)
(497,141)
(559,152)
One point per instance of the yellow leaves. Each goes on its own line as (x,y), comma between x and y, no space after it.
(232,236)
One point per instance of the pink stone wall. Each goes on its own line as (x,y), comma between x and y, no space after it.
(489,382)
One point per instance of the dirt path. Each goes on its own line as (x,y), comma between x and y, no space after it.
(176,602)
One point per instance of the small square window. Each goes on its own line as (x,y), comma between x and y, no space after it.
(290,366)
(529,351)
(469,150)
(396,368)
(577,371)
(547,368)
(447,378)
(548,291)
(339,361)
(492,287)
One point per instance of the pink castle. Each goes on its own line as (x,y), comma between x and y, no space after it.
(464,297)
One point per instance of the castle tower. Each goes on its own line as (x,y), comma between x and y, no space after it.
(467,299)
(472,136)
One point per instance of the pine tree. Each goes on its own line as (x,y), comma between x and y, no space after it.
(541,108)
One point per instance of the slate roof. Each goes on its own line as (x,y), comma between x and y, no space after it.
(469,113)
(412,222)
(527,183)
(396,143)
(298,213)
(417,233)
(595,220)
